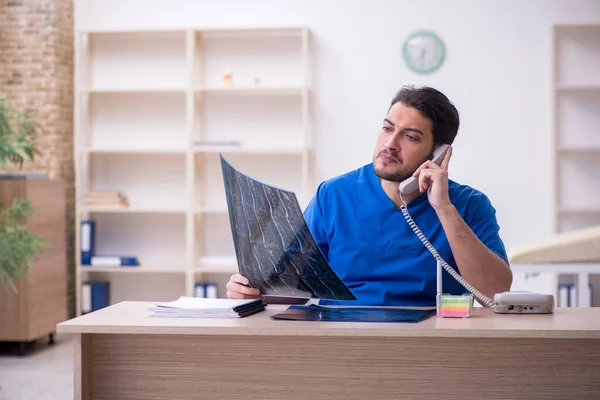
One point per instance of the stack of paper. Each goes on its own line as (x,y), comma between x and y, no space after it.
(208,308)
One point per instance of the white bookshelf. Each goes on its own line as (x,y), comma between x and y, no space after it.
(152,114)
(576,100)
(576,134)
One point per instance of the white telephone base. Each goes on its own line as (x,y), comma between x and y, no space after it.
(523,303)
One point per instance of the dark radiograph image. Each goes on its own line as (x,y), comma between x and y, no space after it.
(274,247)
(353,314)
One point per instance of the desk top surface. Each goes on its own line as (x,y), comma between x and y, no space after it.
(133,318)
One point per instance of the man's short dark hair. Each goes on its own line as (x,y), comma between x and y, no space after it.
(434,105)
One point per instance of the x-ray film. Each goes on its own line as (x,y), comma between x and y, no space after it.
(353,314)
(273,245)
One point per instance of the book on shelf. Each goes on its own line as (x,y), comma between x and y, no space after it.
(101,194)
(195,307)
(105,199)
(93,207)
(100,201)
(112,261)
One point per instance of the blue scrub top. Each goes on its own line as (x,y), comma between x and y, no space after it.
(371,247)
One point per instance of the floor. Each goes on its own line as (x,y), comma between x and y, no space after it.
(45,372)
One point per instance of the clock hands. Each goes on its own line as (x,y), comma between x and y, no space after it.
(423,52)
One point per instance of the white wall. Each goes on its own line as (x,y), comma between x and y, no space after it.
(497,72)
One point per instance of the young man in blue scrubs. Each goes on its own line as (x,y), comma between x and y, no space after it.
(356,220)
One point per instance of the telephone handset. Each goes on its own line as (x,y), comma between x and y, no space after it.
(503,303)
(412,184)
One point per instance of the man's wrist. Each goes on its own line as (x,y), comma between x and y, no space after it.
(446,211)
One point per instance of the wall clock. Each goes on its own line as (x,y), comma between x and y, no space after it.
(423,52)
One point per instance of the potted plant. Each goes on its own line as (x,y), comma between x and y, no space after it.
(18,247)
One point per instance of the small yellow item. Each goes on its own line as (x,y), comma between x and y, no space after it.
(227,79)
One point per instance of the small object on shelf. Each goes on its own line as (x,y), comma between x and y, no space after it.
(227,79)
(217,143)
(105,199)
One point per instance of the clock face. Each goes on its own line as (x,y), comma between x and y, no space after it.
(423,52)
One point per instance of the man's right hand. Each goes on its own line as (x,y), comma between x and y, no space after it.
(237,288)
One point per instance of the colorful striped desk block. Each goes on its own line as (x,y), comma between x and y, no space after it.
(451,306)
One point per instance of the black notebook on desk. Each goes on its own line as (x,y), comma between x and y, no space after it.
(353,314)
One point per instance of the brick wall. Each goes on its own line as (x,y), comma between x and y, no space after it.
(36,75)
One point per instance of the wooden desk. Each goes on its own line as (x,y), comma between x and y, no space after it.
(123,353)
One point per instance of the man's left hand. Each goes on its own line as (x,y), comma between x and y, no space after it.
(433,178)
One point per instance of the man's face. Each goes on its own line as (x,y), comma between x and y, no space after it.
(404,143)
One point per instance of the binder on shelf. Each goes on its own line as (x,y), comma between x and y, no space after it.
(86,298)
(114,261)
(567,295)
(212,290)
(563,296)
(100,295)
(573,300)
(206,290)
(199,290)
(86,242)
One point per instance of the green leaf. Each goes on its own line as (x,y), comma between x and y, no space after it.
(18,131)
(18,247)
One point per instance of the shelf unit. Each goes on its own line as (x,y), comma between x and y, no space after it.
(152,114)
(576,113)
(576,133)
